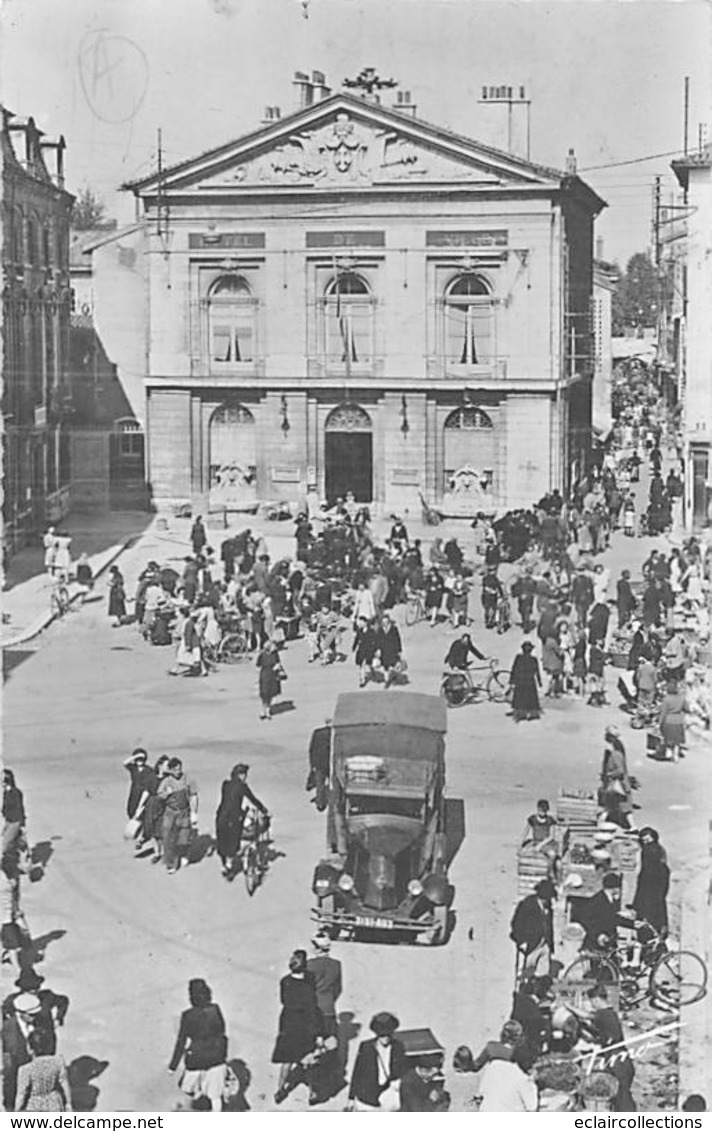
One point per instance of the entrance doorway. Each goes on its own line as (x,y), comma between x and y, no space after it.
(348,455)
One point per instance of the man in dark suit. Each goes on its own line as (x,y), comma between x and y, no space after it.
(531,929)
(319,763)
(380,1064)
(53,1007)
(600,916)
(16,1029)
(325,972)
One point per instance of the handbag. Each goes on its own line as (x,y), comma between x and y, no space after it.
(132,826)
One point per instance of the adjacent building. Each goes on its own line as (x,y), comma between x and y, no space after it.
(352,299)
(694,337)
(36,310)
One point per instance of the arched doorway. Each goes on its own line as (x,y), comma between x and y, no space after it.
(232,447)
(470,441)
(348,454)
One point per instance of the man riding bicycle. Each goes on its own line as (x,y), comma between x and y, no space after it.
(459,652)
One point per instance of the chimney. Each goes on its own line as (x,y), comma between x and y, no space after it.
(321,90)
(272,114)
(305,90)
(404,104)
(571,163)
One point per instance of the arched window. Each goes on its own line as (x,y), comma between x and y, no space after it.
(348,310)
(231,314)
(468,321)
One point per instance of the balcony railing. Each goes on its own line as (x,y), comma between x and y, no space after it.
(442,368)
(333,365)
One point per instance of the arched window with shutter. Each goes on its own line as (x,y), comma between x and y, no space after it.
(468,321)
(231,317)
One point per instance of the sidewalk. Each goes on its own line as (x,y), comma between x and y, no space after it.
(695,1072)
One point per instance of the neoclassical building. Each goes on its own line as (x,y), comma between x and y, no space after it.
(350,298)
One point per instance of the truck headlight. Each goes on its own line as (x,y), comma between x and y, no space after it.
(346,882)
(415,887)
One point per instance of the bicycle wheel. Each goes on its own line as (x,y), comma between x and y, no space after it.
(250,869)
(412,611)
(679,978)
(592,967)
(497,686)
(454,689)
(233,648)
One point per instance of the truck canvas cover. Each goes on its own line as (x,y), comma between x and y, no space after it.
(390,725)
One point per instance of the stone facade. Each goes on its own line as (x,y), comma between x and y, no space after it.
(351,299)
(36,310)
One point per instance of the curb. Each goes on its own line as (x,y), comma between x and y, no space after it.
(45,619)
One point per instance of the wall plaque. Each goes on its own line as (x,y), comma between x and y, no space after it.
(208,240)
(405,476)
(285,475)
(346,239)
(494,238)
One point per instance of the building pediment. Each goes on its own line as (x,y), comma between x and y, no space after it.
(347,142)
(346,151)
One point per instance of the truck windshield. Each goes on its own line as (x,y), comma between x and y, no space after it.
(360,805)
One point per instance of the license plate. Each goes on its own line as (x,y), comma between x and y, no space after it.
(362,921)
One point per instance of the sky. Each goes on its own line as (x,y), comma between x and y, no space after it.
(605,77)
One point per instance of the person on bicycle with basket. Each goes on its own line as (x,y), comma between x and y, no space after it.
(457,659)
(230,817)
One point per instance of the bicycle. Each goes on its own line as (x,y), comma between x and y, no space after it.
(460,687)
(233,648)
(415,609)
(59,600)
(255,852)
(674,978)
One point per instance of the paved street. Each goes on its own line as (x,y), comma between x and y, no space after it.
(122,938)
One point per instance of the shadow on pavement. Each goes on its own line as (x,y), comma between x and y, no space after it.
(12,658)
(454,826)
(80,1073)
(200,847)
(40,944)
(90,534)
(283,707)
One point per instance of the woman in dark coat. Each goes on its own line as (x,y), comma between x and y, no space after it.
(13,812)
(230,816)
(390,647)
(117,595)
(364,649)
(202,1043)
(271,676)
(650,899)
(300,1022)
(523,679)
(434,589)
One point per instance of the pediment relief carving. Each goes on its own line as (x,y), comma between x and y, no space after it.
(347,152)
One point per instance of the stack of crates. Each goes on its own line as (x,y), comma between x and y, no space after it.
(532,866)
(577,809)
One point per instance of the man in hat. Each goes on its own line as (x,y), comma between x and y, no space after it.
(326,976)
(380,1064)
(16,1030)
(601,918)
(421,1087)
(53,1007)
(532,930)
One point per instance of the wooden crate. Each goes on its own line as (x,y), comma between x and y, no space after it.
(532,866)
(577,810)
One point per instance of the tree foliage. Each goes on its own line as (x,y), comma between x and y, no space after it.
(637,297)
(89,211)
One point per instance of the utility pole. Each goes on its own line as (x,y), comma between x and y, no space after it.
(657,245)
